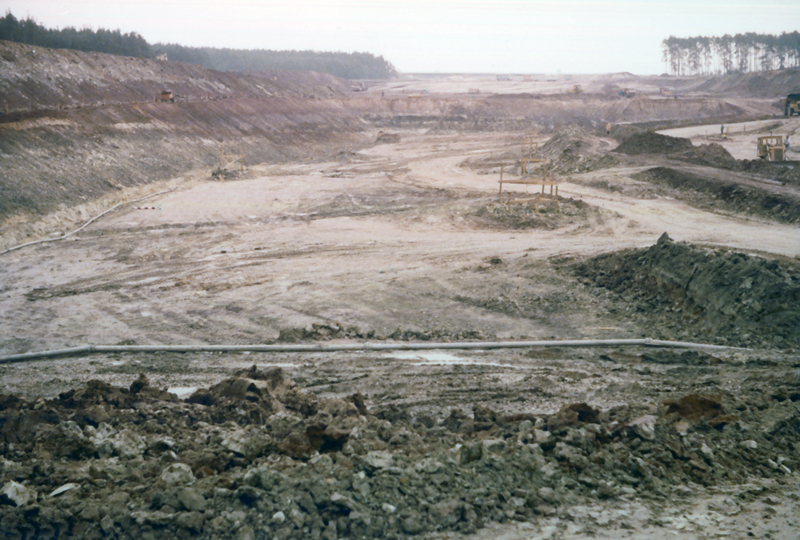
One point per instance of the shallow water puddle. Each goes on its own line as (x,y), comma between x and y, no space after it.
(439,358)
(284,365)
(182,391)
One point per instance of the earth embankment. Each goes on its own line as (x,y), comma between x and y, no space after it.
(766,84)
(36,78)
(76,126)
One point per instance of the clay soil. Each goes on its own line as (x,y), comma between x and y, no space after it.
(399,235)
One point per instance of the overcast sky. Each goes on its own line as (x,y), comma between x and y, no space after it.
(475,36)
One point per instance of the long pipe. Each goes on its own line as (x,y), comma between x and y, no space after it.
(85,224)
(337,347)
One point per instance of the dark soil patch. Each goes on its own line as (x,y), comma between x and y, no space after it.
(712,193)
(713,155)
(787,173)
(573,150)
(508,214)
(257,453)
(648,142)
(712,296)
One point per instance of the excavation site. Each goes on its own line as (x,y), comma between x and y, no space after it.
(284,305)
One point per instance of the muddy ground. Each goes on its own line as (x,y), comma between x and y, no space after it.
(400,235)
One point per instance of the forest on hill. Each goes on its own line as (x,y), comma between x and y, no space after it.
(345,65)
(741,53)
(355,65)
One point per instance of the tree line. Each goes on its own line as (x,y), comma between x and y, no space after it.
(730,54)
(30,32)
(354,65)
(345,65)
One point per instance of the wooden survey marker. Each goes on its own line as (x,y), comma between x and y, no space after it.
(524,179)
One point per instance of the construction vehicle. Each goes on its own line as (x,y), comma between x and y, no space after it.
(771,148)
(628,93)
(792,105)
(167,95)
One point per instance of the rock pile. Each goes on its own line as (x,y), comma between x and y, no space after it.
(713,296)
(255,456)
(713,193)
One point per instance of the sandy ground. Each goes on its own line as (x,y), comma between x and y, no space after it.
(388,243)
(330,243)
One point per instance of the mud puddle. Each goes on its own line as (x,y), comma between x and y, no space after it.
(439,358)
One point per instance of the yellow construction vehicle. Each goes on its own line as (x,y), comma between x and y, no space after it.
(771,148)
(167,95)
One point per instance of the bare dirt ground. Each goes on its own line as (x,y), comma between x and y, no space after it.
(408,240)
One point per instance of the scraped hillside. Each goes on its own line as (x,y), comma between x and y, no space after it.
(79,125)
(37,78)
(764,84)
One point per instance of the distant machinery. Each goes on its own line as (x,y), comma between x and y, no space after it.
(792,105)
(771,148)
(167,95)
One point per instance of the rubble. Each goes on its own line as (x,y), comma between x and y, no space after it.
(710,295)
(377,486)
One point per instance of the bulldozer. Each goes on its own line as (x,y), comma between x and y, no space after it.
(167,95)
(771,148)
(792,105)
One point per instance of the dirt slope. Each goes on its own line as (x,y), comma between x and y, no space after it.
(769,84)
(81,125)
(35,78)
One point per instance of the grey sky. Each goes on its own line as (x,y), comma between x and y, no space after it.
(489,36)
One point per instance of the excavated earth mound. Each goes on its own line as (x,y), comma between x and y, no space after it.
(255,456)
(716,194)
(540,213)
(713,155)
(709,295)
(769,169)
(648,142)
(765,84)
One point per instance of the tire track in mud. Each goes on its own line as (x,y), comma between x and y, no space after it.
(197,274)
